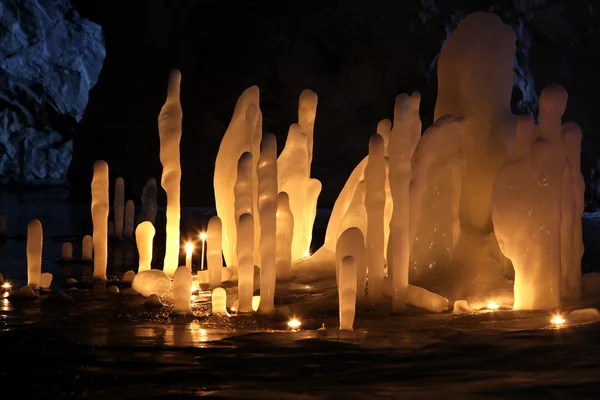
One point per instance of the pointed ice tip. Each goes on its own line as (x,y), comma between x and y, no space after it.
(553,99)
(100,165)
(385,125)
(415,100)
(308,98)
(174,83)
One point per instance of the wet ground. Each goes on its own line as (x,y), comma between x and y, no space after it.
(93,344)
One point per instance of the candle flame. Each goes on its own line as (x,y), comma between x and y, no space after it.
(492,306)
(294,323)
(203,236)
(557,319)
(6,285)
(189,247)
(193,288)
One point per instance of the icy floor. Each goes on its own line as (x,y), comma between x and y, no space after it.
(100,345)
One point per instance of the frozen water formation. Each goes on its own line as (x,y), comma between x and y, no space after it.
(87,248)
(35,241)
(169,129)
(219,302)
(144,235)
(182,283)
(152,281)
(100,218)
(67,251)
(214,253)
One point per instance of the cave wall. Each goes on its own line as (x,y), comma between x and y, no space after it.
(50,57)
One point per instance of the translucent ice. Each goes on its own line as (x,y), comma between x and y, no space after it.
(214,254)
(356,215)
(152,281)
(243,189)
(67,251)
(25,292)
(100,218)
(375,206)
(219,301)
(129,219)
(462,307)
(243,135)
(352,243)
(347,292)
(128,277)
(153,301)
(590,285)
(144,236)
(35,241)
(46,280)
(584,315)
(426,300)
(267,211)
(119,207)
(149,201)
(182,282)
(285,231)
(245,258)
(169,129)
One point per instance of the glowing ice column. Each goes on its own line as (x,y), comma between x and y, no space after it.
(356,215)
(100,218)
(285,231)
(245,258)
(219,301)
(169,129)
(352,243)
(149,201)
(182,283)
(243,200)
(404,137)
(144,235)
(347,292)
(87,248)
(267,211)
(573,188)
(35,241)
(375,205)
(214,255)
(243,135)
(119,207)
(129,219)
(67,252)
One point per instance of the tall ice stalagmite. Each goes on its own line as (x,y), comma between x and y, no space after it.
(119,207)
(87,248)
(243,189)
(144,235)
(243,135)
(245,257)
(352,243)
(100,218)
(214,251)
(405,134)
(475,82)
(35,242)
(267,211)
(182,283)
(169,129)
(347,292)
(285,231)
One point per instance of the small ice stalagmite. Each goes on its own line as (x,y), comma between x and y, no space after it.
(144,236)
(87,248)
(35,242)
(405,134)
(67,251)
(214,254)
(347,292)
(169,129)
(245,258)
(129,219)
(285,231)
(149,205)
(375,177)
(267,211)
(572,203)
(182,283)
(352,243)
(219,301)
(243,135)
(119,207)
(100,218)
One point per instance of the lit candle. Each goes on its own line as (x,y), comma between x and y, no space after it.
(203,238)
(189,247)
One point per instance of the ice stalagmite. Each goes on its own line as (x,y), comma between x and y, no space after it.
(100,218)
(169,129)
(214,254)
(267,211)
(434,199)
(87,248)
(144,235)
(572,204)
(243,135)
(293,176)
(307,112)
(182,284)
(219,301)
(375,206)
(119,207)
(149,201)
(67,251)
(405,134)
(352,243)
(475,82)
(35,242)
(347,292)
(245,258)
(243,199)
(129,219)
(285,231)
(356,214)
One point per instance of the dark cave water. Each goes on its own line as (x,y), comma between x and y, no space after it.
(100,345)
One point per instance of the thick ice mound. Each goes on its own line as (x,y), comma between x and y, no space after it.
(151,282)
